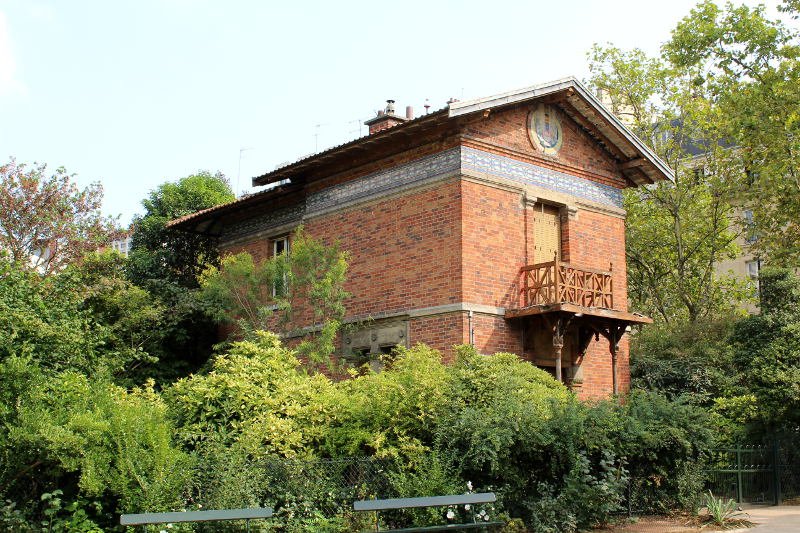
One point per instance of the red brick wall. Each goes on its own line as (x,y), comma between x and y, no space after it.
(506,133)
(441,332)
(405,251)
(493,228)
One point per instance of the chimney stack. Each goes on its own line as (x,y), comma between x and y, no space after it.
(409,113)
(386,118)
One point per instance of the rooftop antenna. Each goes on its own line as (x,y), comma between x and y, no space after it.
(239,172)
(360,122)
(316,136)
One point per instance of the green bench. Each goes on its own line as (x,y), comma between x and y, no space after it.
(143,519)
(432,501)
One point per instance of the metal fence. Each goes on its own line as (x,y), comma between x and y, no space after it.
(757,473)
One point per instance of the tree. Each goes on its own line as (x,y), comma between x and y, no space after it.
(767,355)
(676,232)
(748,66)
(167,263)
(161,255)
(46,222)
(305,287)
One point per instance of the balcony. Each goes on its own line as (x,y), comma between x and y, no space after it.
(556,282)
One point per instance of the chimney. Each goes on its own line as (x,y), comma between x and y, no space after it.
(385,119)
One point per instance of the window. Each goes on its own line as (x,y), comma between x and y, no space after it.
(753,268)
(122,246)
(280,246)
(749,225)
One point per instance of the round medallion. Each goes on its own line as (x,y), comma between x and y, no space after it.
(544,129)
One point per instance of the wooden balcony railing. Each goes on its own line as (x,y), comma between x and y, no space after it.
(558,282)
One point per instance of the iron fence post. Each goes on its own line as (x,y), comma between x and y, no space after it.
(776,470)
(738,473)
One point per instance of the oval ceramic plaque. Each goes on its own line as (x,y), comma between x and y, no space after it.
(544,129)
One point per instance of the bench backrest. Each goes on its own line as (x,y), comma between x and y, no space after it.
(429,501)
(194,516)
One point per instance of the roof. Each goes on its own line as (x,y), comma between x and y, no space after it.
(636,161)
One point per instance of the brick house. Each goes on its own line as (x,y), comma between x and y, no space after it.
(496,222)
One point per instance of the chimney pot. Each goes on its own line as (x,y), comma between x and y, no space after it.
(390,107)
(409,112)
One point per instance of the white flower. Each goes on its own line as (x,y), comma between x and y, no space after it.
(199,506)
(450,514)
(469,485)
(482,513)
(169,526)
(163,531)
(486,518)
(467,507)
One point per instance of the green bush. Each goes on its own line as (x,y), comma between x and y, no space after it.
(117,444)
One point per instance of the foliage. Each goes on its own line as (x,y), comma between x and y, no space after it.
(46,222)
(87,318)
(43,319)
(599,490)
(671,251)
(162,255)
(767,354)
(167,264)
(311,278)
(393,413)
(255,397)
(665,444)
(722,513)
(118,443)
(673,359)
(747,66)
(495,419)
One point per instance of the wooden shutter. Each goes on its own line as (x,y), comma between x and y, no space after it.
(546,233)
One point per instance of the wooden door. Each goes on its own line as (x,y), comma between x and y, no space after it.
(546,233)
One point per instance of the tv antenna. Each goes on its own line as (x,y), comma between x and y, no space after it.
(316,136)
(239,172)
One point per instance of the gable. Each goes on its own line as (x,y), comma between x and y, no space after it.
(507,132)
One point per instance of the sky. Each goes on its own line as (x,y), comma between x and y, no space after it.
(133,94)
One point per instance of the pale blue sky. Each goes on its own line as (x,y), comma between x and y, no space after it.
(133,94)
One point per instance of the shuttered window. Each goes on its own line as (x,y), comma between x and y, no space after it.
(546,233)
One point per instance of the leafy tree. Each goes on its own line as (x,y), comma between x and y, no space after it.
(677,232)
(767,356)
(748,66)
(304,287)
(132,320)
(46,222)
(87,318)
(161,255)
(674,360)
(167,264)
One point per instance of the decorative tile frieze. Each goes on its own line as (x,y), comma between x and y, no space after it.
(270,219)
(385,182)
(416,172)
(529,174)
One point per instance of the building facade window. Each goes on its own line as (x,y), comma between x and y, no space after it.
(753,268)
(280,246)
(749,225)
